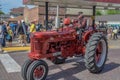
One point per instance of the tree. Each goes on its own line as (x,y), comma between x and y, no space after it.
(1,12)
(107,12)
(110,12)
(98,13)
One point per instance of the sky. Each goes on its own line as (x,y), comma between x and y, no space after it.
(6,5)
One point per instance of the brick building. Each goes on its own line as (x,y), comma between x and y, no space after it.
(38,13)
(17,11)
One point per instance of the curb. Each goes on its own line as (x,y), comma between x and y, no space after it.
(15,51)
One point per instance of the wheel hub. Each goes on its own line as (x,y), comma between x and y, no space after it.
(39,72)
(100,53)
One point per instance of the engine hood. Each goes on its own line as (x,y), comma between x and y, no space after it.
(49,34)
(45,34)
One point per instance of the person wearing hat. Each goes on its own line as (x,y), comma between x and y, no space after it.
(67,21)
(82,23)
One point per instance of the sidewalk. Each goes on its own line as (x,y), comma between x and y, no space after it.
(16,47)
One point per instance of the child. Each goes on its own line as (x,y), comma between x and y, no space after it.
(9,35)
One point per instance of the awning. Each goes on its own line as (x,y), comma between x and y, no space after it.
(101,4)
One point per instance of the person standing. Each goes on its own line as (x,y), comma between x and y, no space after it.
(1,36)
(109,33)
(115,31)
(9,36)
(33,27)
(4,29)
(28,34)
(38,27)
(12,26)
(82,23)
(22,33)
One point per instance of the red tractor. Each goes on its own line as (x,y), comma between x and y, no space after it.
(57,46)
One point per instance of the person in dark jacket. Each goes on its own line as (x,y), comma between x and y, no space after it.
(38,27)
(4,29)
(22,33)
(1,36)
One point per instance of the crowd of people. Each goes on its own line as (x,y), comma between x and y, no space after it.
(10,31)
(113,33)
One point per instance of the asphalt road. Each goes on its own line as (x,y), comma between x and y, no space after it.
(73,69)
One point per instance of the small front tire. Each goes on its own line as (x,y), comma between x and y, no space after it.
(38,70)
(25,68)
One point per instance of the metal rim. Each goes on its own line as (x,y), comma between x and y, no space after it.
(39,72)
(100,55)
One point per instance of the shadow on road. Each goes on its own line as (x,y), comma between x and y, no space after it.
(110,66)
(68,74)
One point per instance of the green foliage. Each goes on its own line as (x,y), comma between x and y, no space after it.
(98,12)
(1,12)
(107,12)
(110,12)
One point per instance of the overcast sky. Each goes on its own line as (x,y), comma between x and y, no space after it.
(6,5)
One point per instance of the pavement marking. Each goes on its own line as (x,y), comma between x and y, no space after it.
(9,63)
(114,47)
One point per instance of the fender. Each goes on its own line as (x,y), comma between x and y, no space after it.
(87,35)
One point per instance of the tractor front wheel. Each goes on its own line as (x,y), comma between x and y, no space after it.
(25,68)
(96,53)
(38,70)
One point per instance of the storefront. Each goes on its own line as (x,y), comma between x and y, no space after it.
(67,5)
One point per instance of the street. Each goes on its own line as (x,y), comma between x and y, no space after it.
(73,69)
(56,29)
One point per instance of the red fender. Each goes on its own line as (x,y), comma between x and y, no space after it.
(87,35)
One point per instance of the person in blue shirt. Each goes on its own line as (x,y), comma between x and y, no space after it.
(12,26)
(4,29)
(1,36)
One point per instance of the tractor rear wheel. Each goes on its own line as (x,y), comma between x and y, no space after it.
(38,70)
(96,53)
(25,68)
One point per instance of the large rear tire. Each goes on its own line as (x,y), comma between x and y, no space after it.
(96,53)
(25,68)
(38,70)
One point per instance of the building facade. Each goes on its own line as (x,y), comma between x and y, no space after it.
(38,13)
(17,11)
